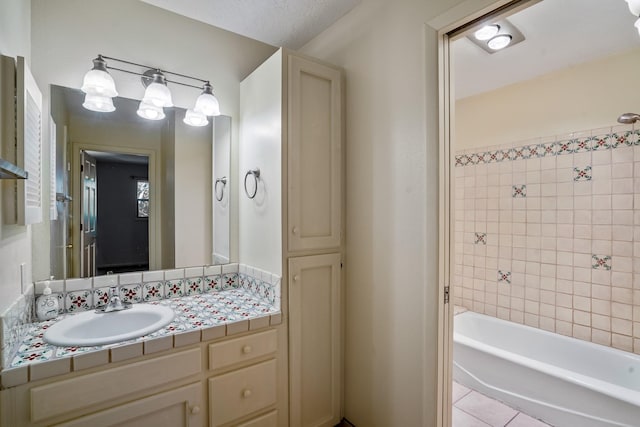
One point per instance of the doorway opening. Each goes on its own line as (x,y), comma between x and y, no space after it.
(115,205)
(538,201)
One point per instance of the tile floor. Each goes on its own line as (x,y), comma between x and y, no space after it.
(472,409)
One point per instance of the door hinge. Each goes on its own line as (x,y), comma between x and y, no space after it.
(446,294)
(81,168)
(80,226)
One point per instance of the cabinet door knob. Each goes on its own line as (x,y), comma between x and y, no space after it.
(246,393)
(195,409)
(246,349)
(296,278)
(294,230)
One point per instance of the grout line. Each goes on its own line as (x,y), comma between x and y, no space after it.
(514,417)
(473,416)
(462,397)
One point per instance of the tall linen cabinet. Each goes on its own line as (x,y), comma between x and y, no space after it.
(291,129)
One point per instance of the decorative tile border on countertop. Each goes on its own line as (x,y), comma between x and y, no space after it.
(14,325)
(625,136)
(76,295)
(198,318)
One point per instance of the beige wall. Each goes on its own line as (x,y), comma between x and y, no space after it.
(390,59)
(15,241)
(67,34)
(585,96)
(261,147)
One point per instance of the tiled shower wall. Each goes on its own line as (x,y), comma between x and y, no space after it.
(547,234)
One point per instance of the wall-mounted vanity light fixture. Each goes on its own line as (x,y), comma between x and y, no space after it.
(634,8)
(100,88)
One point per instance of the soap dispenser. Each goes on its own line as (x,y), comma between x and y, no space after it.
(47,304)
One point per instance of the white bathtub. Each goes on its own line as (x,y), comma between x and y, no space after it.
(563,381)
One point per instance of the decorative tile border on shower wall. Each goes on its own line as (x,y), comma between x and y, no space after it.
(571,246)
(606,141)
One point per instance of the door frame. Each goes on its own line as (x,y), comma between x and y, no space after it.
(155,214)
(450,26)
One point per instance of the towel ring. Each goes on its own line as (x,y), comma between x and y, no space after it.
(256,175)
(222,181)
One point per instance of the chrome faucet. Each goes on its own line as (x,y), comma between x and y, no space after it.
(115,303)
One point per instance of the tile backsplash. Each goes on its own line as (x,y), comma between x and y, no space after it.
(14,324)
(547,234)
(75,295)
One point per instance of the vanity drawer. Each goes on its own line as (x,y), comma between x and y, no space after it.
(242,349)
(268,420)
(242,392)
(86,391)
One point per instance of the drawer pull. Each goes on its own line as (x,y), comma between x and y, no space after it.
(246,349)
(246,393)
(195,409)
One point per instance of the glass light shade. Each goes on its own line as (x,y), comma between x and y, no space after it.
(637,25)
(150,111)
(207,104)
(195,118)
(499,42)
(101,104)
(634,7)
(99,82)
(158,94)
(486,32)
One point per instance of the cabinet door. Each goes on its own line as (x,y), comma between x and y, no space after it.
(178,407)
(314,340)
(314,155)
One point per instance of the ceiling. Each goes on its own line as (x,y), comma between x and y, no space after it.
(558,34)
(288,23)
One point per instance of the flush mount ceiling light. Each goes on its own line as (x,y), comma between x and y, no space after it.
(499,42)
(486,32)
(495,36)
(100,88)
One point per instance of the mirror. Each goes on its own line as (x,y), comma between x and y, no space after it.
(133,194)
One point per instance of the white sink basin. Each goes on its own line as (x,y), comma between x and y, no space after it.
(91,328)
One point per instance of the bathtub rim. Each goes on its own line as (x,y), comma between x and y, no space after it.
(600,386)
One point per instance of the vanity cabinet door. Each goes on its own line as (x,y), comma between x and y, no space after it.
(178,407)
(314,340)
(314,155)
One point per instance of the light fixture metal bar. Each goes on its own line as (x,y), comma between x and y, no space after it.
(153,68)
(144,75)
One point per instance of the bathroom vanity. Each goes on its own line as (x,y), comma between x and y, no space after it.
(219,382)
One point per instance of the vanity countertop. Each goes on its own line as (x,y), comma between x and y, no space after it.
(201,317)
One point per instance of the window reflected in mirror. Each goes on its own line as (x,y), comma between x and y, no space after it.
(143,198)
